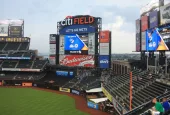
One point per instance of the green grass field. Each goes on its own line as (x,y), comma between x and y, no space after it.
(25,101)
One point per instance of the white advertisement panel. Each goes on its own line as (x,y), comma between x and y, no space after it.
(61,48)
(52,49)
(91,43)
(153,5)
(165,14)
(104,48)
(16,22)
(52,38)
(3,30)
(143,41)
(52,60)
(4,22)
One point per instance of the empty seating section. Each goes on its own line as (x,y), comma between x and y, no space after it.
(7,76)
(21,75)
(39,64)
(24,46)
(85,80)
(2,45)
(18,54)
(12,46)
(24,64)
(27,54)
(24,76)
(144,87)
(92,85)
(38,76)
(9,64)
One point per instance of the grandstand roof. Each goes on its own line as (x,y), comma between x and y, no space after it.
(98,100)
(96,90)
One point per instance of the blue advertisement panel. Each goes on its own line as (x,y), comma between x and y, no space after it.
(153,19)
(152,39)
(64,74)
(156,40)
(93,105)
(71,74)
(77,29)
(104,61)
(75,92)
(76,44)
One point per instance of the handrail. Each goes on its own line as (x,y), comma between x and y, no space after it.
(142,106)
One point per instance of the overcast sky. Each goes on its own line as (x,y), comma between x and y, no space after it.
(41,18)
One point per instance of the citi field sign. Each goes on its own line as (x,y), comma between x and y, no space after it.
(78,20)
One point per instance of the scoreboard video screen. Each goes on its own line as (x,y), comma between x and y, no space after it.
(77,44)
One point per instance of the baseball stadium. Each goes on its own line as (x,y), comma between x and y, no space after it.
(80,76)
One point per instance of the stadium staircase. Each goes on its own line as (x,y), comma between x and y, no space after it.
(44,65)
(32,64)
(4,46)
(19,46)
(17,64)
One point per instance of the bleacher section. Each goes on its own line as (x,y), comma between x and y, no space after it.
(24,46)
(39,64)
(15,46)
(26,64)
(145,109)
(16,57)
(27,54)
(145,88)
(9,64)
(21,75)
(84,81)
(11,46)
(15,50)
(19,54)
(2,45)
(51,76)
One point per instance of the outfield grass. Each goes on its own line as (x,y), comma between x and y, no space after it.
(25,101)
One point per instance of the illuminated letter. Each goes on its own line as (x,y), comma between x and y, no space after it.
(76,20)
(91,20)
(63,23)
(81,21)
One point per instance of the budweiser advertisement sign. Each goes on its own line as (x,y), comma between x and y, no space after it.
(77,60)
